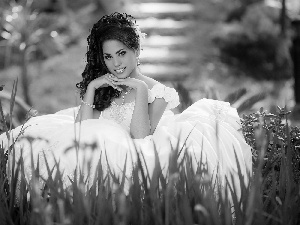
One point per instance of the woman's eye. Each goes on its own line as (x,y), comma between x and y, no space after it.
(107,57)
(122,53)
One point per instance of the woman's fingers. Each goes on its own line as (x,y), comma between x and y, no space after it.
(112,84)
(111,78)
(116,82)
(104,81)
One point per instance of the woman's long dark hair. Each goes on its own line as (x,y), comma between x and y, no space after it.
(117,26)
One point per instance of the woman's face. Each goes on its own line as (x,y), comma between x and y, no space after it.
(120,60)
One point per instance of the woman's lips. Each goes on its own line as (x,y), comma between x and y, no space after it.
(121,70)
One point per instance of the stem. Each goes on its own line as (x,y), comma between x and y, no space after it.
(283,18)
(24,73)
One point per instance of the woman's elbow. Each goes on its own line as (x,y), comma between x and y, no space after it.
(140,134)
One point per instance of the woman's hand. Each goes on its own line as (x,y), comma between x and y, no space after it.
(103,81)
(129,82)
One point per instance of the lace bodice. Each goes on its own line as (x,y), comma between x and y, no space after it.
(122,114)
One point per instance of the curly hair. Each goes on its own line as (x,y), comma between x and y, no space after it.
(117,26)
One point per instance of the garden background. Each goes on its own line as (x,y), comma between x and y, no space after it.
(211,48)
(233,50)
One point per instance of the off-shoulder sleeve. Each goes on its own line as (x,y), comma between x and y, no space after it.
(169,94)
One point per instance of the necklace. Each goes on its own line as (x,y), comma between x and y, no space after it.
(125,93)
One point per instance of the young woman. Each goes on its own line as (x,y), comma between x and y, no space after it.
(123,113)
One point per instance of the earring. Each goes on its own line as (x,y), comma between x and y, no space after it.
(138,61)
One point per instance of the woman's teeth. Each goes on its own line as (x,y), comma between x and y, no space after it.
(120,70)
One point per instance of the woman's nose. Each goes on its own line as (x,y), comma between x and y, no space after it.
(117,62)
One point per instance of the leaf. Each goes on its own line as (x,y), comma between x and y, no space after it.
(261,110)
(235,96)
(248,103)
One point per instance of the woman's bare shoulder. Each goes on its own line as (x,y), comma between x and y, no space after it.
(149,81)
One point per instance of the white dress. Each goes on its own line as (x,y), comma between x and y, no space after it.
(209,129)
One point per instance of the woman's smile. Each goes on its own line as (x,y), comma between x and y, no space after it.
(119,59)
(120,71)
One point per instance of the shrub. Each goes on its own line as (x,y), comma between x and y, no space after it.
(276,160)
(44,34)
(254,44)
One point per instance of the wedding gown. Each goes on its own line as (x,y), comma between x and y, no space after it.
(209,130)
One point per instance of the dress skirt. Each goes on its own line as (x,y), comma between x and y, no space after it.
(209,131)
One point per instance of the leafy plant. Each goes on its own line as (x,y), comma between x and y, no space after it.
(30,34)
(255,44)
(240,99)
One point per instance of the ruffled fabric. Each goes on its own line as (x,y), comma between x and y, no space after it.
(169,94)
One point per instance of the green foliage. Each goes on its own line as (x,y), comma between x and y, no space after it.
(281,140)
(276,158)
(254,43)
(240,98)
(184,96)
(41,34)
(27,34)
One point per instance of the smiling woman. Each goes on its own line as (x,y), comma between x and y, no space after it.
(119,59)
(127,114)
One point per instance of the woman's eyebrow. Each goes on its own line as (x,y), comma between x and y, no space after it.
(119,51)
(116,52)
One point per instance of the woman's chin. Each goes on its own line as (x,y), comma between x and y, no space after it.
(122,75)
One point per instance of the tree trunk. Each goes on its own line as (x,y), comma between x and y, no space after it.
(283,18)
(296,59)
(295,51)
(24,75)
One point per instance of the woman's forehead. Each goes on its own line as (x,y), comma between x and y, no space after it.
(112,46)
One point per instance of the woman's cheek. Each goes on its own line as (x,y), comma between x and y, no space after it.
(108,66)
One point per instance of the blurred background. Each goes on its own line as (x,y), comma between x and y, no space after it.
(243,51)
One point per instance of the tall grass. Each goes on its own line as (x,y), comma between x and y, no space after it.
(183,196)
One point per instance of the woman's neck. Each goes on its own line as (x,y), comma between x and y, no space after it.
(134,73)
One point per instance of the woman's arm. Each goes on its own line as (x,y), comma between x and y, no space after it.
(146,112)
(140,122)
(86,112)
(156,110)
(162,98)
(145,118)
